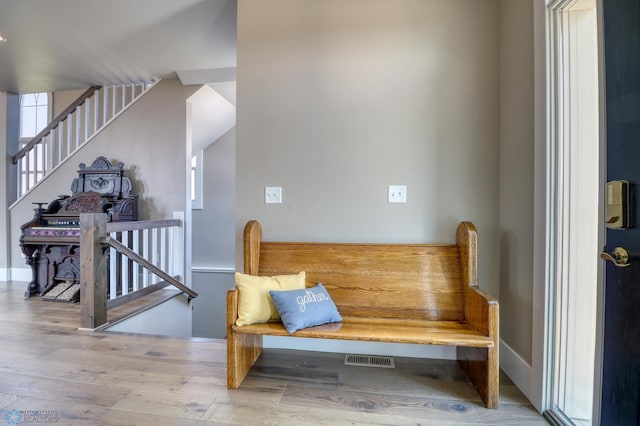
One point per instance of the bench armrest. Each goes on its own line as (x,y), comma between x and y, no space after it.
(482,312)
(480,308)
(232,308)
(242,350)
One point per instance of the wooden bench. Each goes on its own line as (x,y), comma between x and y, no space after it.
(400,293)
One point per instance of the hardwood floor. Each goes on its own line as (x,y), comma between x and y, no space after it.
(50,368)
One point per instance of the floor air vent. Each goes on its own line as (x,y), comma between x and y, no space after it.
(369,361)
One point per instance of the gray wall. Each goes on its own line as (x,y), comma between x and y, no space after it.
(337,100)
(210,307)
(62,99)
(340,98)
(516,175)
(9,128)
(214,238)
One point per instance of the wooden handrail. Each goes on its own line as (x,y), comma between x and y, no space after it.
(56,121)
(121,248)
(141,224)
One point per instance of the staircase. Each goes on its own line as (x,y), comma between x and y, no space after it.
(144,257)
(71,129)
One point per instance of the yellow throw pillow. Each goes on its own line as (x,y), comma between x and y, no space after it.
(254,302)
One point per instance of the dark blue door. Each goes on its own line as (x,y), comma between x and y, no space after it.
(620,403)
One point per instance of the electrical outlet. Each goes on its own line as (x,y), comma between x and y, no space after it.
(273,195)
(397,194)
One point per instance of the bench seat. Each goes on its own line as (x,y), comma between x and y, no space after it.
(426,332)
(424,294)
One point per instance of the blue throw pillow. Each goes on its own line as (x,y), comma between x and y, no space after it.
(305,308)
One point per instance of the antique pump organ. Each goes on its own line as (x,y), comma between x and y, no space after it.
(50,241)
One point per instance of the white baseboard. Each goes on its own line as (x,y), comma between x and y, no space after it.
(213,270)
(20,274)
(15,274)
(514,366)
(365,348)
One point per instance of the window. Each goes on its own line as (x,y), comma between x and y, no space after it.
(34,116)
(196,181)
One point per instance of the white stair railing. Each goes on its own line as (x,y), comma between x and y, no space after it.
(71,129)
(159,242)
(106,276)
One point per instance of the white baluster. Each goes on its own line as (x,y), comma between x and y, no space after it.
(163,249)
(96,109)
(154,252)
(145,253)
(27,170)
(69,128)
(45,156)
(87,115)
(20,179)
(36,161)
(21,176)
(113,278)
(114,97)
(78,120)
(176,248)
(105,106)
(50,151)
(136,266)
(124,264)
(40,161)
(59,144)
(123,101)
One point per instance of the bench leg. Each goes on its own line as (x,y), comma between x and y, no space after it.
(242,352)
(482,368)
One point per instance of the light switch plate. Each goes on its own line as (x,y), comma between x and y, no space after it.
(397,194)
(273,195)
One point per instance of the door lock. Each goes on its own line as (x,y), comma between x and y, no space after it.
(619,257)
(617,206)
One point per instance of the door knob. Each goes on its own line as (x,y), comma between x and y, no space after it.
(619,257)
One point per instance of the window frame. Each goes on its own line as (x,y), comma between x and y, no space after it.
(31,173)
(196,180)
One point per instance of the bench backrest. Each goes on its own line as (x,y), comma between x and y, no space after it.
(408,281)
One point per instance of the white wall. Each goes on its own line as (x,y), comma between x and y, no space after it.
(340,98)
(170,318)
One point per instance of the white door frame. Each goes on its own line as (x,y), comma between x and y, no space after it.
(552,191)
(599,355)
